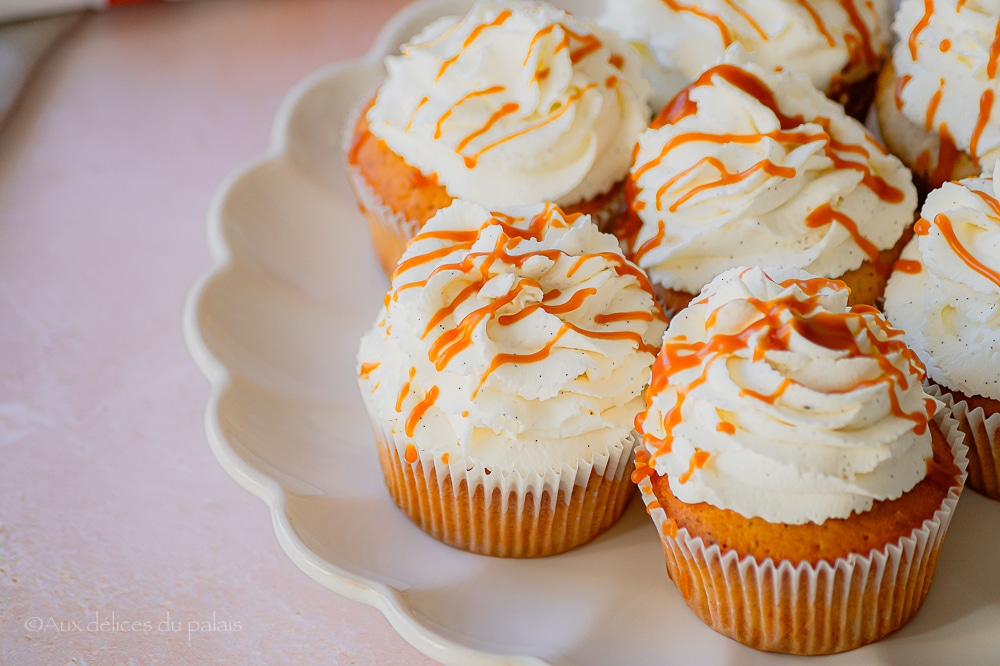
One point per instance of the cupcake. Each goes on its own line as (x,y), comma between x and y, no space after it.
(935,100)
(839,45)
(503,377)
(799,477)
(515,103)
(945,295)
(747,166)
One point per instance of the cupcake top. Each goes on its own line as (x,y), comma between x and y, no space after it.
(945,290)
(514,103)
(946,58)
(749,166)
(776,400)
(521,341)
(833,42)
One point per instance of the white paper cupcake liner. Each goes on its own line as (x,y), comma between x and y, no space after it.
(506,514)
(806,608)
(982,435)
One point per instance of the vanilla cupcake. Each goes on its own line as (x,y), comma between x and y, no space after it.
(839,45)
(748,166)
(945,295)
(936,100)
(799,477)
(503,377)
(514,103)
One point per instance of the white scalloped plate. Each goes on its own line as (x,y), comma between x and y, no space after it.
(274,325)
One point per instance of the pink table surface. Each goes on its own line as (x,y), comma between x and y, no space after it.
(122,541)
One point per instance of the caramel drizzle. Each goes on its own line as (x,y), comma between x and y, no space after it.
(367,369)
(697,461)
(991,65)
(818,20)
(724,32)
(861,27)
(985,112)
(749,19)
(500,19)
(725,178)
(900,84)
(932,106)
(579,47)
(772,331)
(944,225)
(789,133)
(911,41)
(452,341)
(418,411)
(492,90)
(911,266)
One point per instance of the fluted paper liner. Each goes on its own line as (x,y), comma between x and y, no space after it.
(507,514)
(982,435)
(806,608)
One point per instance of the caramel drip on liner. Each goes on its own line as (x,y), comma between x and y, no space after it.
(840,331)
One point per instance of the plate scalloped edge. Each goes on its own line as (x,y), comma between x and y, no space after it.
(378,595)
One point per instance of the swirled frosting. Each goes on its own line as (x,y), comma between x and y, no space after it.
(747,166)
(831,41)
(946,60)
(514,103)
(518,340)
(945,290)
(776,400)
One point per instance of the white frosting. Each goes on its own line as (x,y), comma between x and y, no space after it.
(515,103)
(806,390)
(539,347)
(679,39)
(950,311)
(950,69)
(728,185)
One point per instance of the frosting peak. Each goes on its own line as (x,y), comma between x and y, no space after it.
(947,57)
(749,166)
(519,337)
(514,103)
(832,42)
(945,291)
(776,400)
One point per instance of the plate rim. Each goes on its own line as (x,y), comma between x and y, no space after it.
(380,596)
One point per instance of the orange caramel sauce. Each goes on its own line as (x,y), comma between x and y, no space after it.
(789,133)
(772,331)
